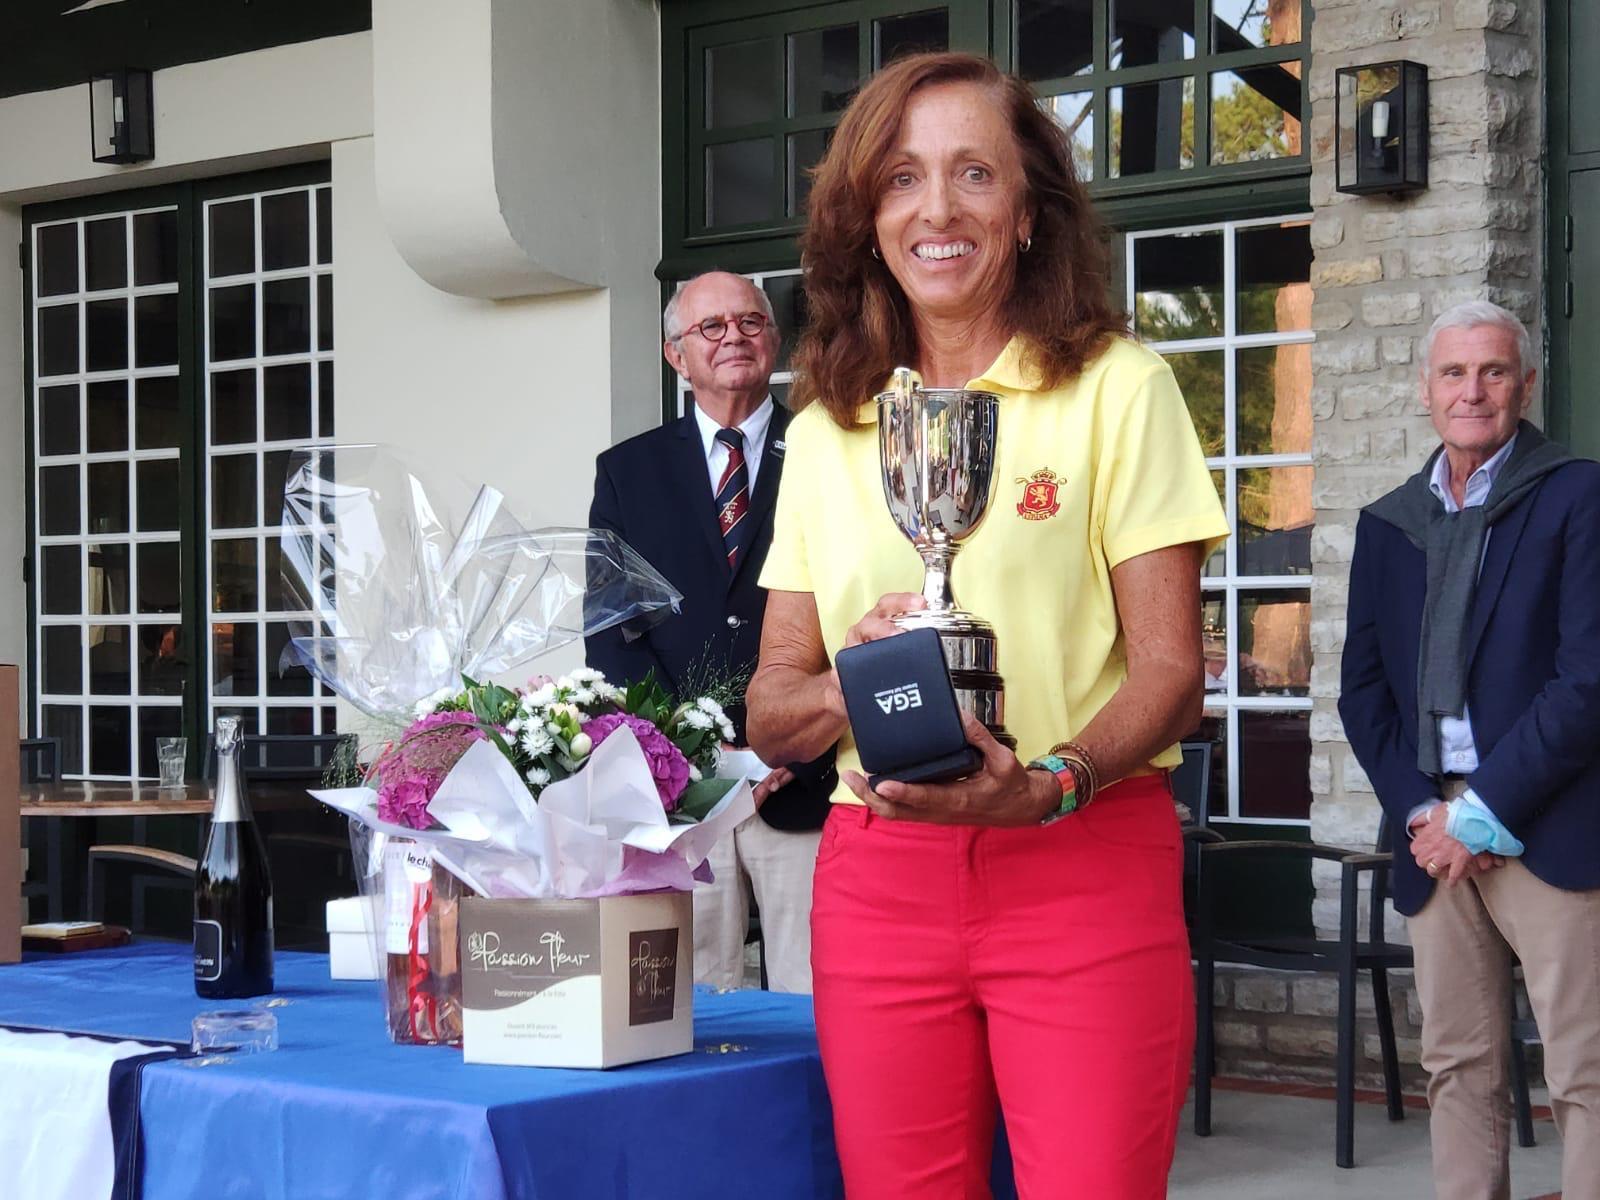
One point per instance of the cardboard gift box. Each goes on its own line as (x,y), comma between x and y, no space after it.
(353,930)
(577,983)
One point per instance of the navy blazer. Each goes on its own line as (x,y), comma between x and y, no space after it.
(1533,678)
(653,490)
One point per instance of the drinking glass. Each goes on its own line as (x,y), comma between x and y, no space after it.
(171,754)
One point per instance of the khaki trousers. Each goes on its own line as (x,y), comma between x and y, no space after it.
(777,866)
(1464,939)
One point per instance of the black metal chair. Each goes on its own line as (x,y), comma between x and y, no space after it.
(41,763)
(1191,787)
(1523,1033)
(1345,957)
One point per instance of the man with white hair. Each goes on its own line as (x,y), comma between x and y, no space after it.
(696,498)
(1471,696)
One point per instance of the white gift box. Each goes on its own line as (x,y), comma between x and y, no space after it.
(353,938)
(577,983)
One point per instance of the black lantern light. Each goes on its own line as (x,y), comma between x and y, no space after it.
(1381,127)
(122,117)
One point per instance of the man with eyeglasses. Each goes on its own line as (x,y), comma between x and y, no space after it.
(696,497)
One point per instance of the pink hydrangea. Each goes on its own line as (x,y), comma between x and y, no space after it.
(668,767)
(412,771)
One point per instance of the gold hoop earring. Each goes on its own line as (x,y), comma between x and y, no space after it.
(1025,244)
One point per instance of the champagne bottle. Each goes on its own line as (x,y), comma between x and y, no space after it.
(232,888)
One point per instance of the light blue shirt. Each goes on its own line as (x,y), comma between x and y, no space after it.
(1458,753)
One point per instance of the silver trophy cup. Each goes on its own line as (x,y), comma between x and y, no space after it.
(937,449)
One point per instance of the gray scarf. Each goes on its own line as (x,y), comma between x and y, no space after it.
(1453,543)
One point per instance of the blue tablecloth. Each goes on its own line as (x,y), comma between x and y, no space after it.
(339,1112)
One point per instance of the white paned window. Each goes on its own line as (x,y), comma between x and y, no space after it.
(267,263)
(1228,305)
(784,289)
(112,655)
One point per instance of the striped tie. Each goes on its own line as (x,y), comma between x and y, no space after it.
(733,494)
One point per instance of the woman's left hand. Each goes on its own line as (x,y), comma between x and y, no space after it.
(1002,792)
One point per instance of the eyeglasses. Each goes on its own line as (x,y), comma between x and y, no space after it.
(714,329)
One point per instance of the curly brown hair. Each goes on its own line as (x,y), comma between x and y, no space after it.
(860,327)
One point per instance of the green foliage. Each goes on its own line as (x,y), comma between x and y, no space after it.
(344,769)
(648,699)
(700,798)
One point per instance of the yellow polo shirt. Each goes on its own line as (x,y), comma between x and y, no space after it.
(1089,474)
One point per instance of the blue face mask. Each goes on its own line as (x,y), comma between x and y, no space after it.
(1476,828)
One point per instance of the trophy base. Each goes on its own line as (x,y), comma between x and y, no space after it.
(971,655)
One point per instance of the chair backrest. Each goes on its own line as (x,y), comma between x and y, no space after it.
(41,759)
(288,756)
(1191,782)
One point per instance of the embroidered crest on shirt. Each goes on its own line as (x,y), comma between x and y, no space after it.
(1039,502)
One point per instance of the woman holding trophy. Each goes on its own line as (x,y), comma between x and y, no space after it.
(1016,935)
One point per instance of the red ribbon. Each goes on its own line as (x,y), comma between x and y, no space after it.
(423,1007)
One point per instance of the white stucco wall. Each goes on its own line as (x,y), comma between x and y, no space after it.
(13,513)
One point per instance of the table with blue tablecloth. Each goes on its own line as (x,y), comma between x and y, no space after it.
(339,1112)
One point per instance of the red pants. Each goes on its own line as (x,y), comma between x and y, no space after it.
(1046,967)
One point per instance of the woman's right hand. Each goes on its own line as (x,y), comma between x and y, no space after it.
(875,626)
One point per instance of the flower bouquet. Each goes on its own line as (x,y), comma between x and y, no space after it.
(567,788)
(546,734)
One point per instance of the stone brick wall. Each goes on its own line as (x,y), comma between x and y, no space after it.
(1383,268)
(1283,1026)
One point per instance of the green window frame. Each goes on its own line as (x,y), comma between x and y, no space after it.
(1206,190)
(1281,69)
(691,33)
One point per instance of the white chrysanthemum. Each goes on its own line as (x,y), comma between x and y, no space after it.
(587,675)
(536,741)
(608,693)
(708,705)
(514,725)
(539,698)
(429,704)
(583,696)
(725,728)
(565,684)
(695,719)
(538,776)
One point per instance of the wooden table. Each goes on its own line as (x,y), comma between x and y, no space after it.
(74,798)
(83,798)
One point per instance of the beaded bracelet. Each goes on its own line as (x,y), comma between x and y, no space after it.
(1074,752)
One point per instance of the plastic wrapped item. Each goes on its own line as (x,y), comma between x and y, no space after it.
(421,583)
(407,595)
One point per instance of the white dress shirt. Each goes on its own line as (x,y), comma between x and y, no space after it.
(754,428)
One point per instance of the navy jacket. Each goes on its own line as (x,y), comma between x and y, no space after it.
(654,492)
(1533,678)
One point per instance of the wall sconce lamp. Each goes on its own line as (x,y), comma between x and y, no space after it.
(1381,128)
(122,117)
